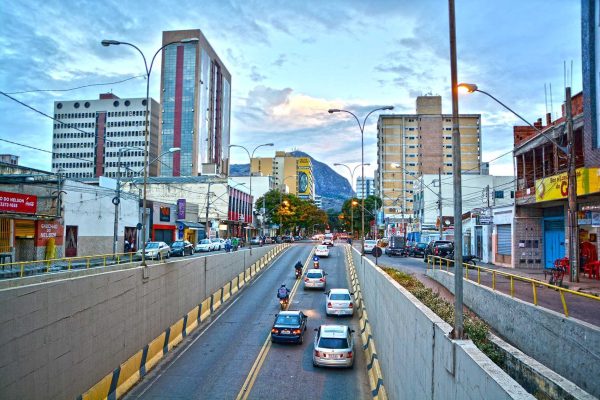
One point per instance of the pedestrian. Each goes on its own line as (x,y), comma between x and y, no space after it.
(235,243)
(228,245)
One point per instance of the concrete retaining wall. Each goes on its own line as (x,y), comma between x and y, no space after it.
(568,346)
(60,338)
(417,358)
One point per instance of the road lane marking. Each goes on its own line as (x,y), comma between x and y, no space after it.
(262,354)
(188,346)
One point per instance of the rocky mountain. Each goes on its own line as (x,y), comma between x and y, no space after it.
(331,186)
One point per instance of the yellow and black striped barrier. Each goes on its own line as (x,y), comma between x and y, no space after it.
(373,368)
(115,384)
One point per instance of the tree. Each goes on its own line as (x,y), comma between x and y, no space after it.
(372,205)
(292,212)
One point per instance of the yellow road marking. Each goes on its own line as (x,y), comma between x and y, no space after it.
(262,354)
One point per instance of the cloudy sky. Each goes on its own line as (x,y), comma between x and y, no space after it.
(291,61)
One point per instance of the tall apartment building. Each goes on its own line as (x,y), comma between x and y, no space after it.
(410,145)
(196,106)
(287,170)
(364,188)
(88,134)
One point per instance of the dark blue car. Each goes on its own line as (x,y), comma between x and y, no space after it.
(289,327)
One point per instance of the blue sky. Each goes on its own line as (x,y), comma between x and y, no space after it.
(291,61)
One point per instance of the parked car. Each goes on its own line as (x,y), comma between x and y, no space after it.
(181,248)
(289,326)
(155,251)
(396,246)
(269,240)
(205,245)
(417,250)
(339,302)
(315,279)
(297,238)
(440,248)
(333,346)
(218,243)
(322,250)
(256,241)
(370,245)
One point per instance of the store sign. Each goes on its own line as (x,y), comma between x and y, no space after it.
(165,214)
(45,230)
(181,209)
(556,187)
(18,203)
(486,219)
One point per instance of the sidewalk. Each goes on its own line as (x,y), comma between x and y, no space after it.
(585,284)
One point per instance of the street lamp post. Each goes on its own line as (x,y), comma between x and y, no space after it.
(352,203)
(250,157)
(362,163)
(569,151)
(117,199)
(148,68)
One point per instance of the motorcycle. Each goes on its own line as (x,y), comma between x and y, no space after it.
(283,303)
(316,265)
(298,273)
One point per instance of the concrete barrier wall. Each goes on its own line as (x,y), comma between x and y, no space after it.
(568,346)
(417,358)
(60,338)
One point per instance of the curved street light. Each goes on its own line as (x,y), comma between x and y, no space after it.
(362,160)
(352,171)
(569,151)
(148,68)
(250,157)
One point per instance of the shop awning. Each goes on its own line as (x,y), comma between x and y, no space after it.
(192,225)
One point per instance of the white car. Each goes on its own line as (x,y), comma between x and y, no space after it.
(218,243)
(315,279)
(370,245)
(204,245)
(333,346)
(339,302)
(322,250)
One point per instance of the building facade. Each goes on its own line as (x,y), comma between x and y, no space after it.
(196,106)
(364,188)
(541,227)
(290,174)
(410,145)
(88,134)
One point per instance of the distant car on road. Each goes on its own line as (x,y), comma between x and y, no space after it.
(440,248)
(322,251)
(417,250)
(289,326)
(333,346)
(370,245)
(155,251)
(339,302)
(205,245)
(218,243)
(315,279)
(328,240)
(181,248)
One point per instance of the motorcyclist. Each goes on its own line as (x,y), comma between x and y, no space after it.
(298,267)
(283,292)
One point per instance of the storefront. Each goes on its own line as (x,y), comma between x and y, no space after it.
(588,220)
(193,232)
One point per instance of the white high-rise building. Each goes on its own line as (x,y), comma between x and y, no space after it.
(88,135)
(366,188)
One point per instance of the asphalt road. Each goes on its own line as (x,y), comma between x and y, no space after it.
(579,307)
(216,361)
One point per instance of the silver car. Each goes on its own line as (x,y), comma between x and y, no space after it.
(315,279)
(155,250)
(339,302)
(333,346)
(218,243)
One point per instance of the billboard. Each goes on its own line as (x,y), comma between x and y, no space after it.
(556,187)
(306,184)
(18,203)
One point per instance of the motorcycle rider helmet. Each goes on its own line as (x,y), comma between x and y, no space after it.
(283,285)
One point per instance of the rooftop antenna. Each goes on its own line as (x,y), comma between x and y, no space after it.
(546,97)
(551,103)
(571,84)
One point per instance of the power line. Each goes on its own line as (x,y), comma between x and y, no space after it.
(78,87)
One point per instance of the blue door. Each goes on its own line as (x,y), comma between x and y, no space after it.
(554,241)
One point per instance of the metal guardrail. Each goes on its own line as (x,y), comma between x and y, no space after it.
(431,261)
(21,269)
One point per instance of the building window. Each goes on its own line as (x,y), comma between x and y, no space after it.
(499,194)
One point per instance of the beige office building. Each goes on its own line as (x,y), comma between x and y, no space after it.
(290,173)
(410,145)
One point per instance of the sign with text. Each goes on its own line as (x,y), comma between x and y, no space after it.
(556,187)
(181,209)
(18,203)
(45,230)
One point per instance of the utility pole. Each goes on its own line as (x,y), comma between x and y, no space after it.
(441,227)
(572,193)
(487,195)
(206,227)
(458,332)
(116,200)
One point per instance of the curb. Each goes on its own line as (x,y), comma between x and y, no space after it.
(115,384)
(373,368)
